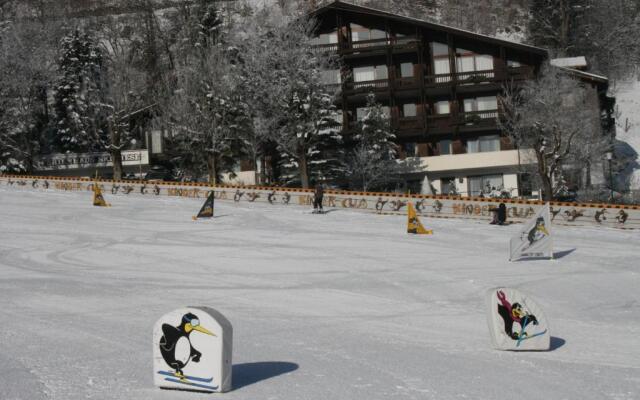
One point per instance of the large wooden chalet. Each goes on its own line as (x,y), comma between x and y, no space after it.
(439,85)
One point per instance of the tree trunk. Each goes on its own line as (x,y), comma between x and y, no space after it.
(563,29)
(256,173)
(304,170)
(211,169)
(115,150)
(547,188)
(545,178)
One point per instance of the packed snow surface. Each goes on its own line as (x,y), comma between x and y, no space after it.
(338,306)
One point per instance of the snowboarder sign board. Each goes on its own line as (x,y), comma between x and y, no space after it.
(534,240)
(207,208)
(515,321)
(192,350)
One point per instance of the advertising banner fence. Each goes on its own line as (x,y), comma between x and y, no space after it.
(518,211)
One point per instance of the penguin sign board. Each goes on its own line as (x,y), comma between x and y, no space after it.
(515,321)
(192,350)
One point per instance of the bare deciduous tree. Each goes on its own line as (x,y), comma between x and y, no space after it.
(553,116)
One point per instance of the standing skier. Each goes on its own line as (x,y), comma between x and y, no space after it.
(318,194)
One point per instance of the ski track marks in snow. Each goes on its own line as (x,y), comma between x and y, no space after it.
(355,307)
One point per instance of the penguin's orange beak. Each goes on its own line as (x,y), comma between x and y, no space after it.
(203,330)
(189,327)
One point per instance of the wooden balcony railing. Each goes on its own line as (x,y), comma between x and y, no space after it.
(461,78)
(478,118)
(475,77)
(443,123)
(520,73)
(439,122)
(329,47)
(378,84)
(479,77)
(406,123)
(402,42)
(406,83)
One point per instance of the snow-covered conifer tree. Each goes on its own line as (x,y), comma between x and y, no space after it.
(77,91)
(306,127)
(372,160)
(26,70)
(207,109)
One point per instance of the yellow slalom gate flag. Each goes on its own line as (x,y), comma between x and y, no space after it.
(413,223)
(98,198)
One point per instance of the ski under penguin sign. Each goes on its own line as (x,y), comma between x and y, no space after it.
(515,321)
(192,350)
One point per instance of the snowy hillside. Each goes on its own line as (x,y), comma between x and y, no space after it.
(338,306)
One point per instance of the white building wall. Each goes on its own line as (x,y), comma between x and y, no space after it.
(511,184)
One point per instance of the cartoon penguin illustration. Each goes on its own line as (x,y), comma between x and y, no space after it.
(175,345)
(511,313)
(538,231)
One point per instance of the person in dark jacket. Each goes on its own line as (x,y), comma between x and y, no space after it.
(318,194)
(499,214)
(502,214)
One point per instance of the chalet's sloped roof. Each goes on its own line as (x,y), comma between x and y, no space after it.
(570,62)
(585,75)
(345,6)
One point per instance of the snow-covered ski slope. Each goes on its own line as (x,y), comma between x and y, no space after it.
(336,306)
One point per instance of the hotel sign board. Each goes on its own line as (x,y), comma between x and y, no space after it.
(71,161)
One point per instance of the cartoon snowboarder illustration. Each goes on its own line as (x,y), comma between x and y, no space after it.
(538,232)
(511,313)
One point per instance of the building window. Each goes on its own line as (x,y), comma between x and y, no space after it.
(440,49)
(409,110)
(441,64)
(370,73)
(514,64)
(485,184)
(361,112)
(488,103)
(331,77)
(360,33)
(526,185)
(442,107)
(406,70)
(484,144)
(448,186)
(445,147)
(410,149)
(325,38)
(156,142)
(468,61)
(338,118)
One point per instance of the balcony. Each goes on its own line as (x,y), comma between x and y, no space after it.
(381,84)
(366,86)
(460,79)
(408,123)
(394,44)
(443,123)
(478,119)
(466,121)
(470,161)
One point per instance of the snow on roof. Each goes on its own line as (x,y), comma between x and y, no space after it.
(570,62)
(354,7)
(586,75)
